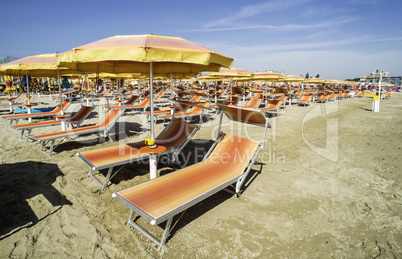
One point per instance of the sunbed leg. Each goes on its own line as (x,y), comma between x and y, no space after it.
(109,173)
(130,218)
(28,134)
(42,145)
(146,233)
(22,133)
(166,232)
(51,147)
(244,176)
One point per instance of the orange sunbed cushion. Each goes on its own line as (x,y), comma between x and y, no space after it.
(173,137)
(162,195)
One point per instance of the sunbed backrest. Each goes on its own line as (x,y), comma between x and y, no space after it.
(110,117)
(253,117)
(272,104)
(237,90)
(254,103)
(132,99)
(198,107)
(175,134)
(82,113)
(306,98)
(145,101)
(233,151)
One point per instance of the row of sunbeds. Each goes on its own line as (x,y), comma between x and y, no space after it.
(227,163)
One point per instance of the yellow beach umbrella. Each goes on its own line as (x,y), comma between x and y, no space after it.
(134,53)
(268,76)
(231,72)
(234,72)
(314,80)
(104,75)
(206,77)
(36,66)
(292,78)
(144,54)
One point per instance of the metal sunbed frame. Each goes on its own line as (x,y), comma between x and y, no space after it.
(44,139)
(17,117)
(135,146)
(77,119)
(179,198)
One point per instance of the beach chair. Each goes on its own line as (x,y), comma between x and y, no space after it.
(130,101)
(177,108)
(340,96)
(104,125)
(141,106)
(388,96)
(174,137)
(283,98)
(13,99)
(13,105)
(360,94)
(197,110)
(76,120)
(332,97)
(253,103)
(305,100)
(16,117)
(227,163)
(322,98)
(273,105)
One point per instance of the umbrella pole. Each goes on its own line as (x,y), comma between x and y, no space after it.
(171,85)
(61,97)
(152,99)
(152,157)
(379,93)
(28,101)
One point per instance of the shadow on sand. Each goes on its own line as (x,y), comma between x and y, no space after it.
(19,184)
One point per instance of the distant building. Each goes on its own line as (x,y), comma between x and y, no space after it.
(374,77)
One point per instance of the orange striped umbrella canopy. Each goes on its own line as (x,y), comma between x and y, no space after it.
(268,76)
(144,54)
(104,75)
(206,77)
(133,53)
(314,80)
(333,81)
(292,78)
(231,72)
(37,66)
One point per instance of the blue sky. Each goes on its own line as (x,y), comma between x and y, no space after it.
(336,39)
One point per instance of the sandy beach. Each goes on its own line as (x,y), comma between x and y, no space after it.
(327,184)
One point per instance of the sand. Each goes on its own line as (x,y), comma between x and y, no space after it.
(328,184)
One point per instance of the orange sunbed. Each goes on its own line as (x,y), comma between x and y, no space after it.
(77,119)
(130,101)
(332,97)
(305,100)
(142,106)
(322,99)
(104,125)
(17,117)
(174,138)
(179,107)
(273,105)
(227,162)
(196,110)
(253,103)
